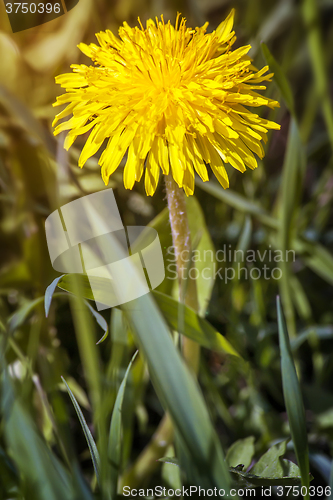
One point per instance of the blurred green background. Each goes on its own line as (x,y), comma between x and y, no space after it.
(286,203)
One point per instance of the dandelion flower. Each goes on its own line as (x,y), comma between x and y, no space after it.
(167,97)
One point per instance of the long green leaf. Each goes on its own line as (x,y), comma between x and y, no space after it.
(317,54)
(195,327)
(115,435)
(178,391)
(293,400)
(289,191)
(89,438)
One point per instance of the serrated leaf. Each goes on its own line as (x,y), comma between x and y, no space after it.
(272,470)
(269,465)
(241,452)
(251,480)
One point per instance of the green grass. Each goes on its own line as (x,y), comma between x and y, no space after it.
(75,414)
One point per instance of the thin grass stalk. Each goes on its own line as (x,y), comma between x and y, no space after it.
(310,11)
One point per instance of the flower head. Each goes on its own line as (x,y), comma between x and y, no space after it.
(171,97)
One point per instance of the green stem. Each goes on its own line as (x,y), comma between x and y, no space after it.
(181,239)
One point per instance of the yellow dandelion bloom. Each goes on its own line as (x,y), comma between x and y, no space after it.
(170,97)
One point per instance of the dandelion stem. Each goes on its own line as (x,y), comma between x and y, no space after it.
(181,239)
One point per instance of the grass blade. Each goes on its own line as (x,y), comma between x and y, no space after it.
(16,320)
(293,400)
(238,202)
(90,440)
(100,320)
(317,55)
(115,436)
(289,196)
(49,294)
(178,391)
(317,257)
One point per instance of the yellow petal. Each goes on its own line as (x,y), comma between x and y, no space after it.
(224,29)
(151,175)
